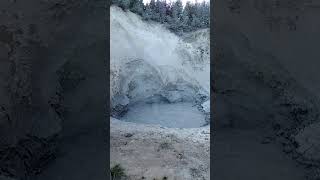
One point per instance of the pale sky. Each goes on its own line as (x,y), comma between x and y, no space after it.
(183,1)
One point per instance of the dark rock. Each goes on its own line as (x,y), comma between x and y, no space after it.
(128,135)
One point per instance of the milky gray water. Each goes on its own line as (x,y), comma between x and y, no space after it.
(177,115)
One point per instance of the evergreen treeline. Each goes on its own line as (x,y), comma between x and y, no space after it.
(173,15)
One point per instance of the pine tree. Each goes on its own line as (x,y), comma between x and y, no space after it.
(195,22)
(147,15)
(116,2)
(152,5)
(156,11)
(163,11)
(186,17)
(207,15)
(124,4)
(137,7)
(197,16)
(203,13)
(176,17)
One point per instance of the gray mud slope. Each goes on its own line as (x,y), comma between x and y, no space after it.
(266,111)
(52,88)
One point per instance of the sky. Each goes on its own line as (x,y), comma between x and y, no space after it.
(183,1)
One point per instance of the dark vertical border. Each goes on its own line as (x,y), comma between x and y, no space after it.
(212,99)
(107,118)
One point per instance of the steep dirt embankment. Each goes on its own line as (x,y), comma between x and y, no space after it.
(149,63)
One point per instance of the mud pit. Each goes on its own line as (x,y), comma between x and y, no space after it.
(177,115)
